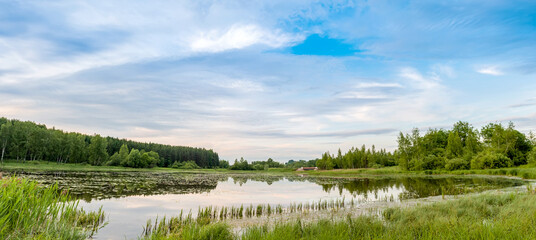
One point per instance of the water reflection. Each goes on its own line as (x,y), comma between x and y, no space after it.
(130,199)
(90,186)
(415,187)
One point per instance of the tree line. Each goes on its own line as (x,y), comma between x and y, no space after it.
(255,165)
(465,147)
(357,158)
(26,140)
(462,147)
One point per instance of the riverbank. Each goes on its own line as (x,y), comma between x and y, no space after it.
(70,167)
(497,214)
(311,222)
(524,172)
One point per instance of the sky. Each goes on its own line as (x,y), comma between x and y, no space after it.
(278,78)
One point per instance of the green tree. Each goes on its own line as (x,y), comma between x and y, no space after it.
(454,145)
(123,154)
(5,135)
(405,151)
(97,150)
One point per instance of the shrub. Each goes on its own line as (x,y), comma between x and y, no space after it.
(185,165)
(457,164)
(531,156)
(488,159)
(431,162)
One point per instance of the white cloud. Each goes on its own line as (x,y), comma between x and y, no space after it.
(239,36)
(419,81)
(490,70)
(377,85)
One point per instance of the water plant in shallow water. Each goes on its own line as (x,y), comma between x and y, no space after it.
(488,216)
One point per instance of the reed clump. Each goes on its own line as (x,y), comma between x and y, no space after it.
(29,211)
(488,216)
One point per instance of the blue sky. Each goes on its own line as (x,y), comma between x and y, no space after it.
(258,79)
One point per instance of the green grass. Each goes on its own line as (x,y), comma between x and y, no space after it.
(359,171)
(525,172)
(12,165)
(28,211)
(488,216)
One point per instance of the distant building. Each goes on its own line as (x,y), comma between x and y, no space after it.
(307,169)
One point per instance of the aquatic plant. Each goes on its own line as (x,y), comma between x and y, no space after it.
(489,216)
(28,210)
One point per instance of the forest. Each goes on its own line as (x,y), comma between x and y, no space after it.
(462,147)
(357,158)
(25,140)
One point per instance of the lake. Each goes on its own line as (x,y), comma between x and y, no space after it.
(130,199)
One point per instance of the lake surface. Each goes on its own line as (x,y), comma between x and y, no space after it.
(130,199)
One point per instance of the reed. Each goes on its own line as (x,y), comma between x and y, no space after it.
(28,210)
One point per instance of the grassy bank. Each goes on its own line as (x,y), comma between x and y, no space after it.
(12,165)
(28,211)
(525,172)
(488,216)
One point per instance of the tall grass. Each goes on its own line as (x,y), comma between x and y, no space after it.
(488,216)
(29,211)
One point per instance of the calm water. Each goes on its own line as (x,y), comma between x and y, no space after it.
(130,199)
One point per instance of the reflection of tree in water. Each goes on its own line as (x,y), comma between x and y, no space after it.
(269,179)
(416,187)
(102,185)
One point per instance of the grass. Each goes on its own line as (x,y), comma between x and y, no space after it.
(525,172)
(487,216)
(395,170)
(29,211)
(12,165)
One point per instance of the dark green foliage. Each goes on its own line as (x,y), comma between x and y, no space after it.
(356,158)
(490,159)
(97,150)
(29,141)
(169,154)
(508,141)
(255,165)
(461,148)
(531,156)
(224,164)
(140,159)
(456,164)
(185,165)
(431,162)
(270,163)
(301,163)
(454,145)
(241,165)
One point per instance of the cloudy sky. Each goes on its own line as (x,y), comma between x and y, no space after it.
(258,79)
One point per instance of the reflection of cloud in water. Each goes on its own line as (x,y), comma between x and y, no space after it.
(127,215)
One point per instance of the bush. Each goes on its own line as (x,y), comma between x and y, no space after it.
(531,156)
(488,159)
(241,165)
(185,165)
(431,162)
(457,164)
